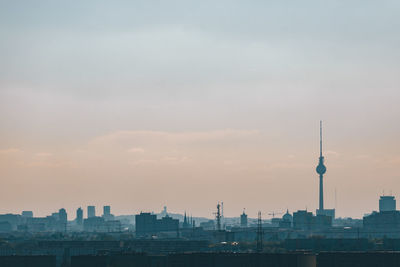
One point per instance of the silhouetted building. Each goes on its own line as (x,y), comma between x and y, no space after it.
(209,225)
(5,227)
(79,216)
(286,221)
(387,203)
(305,220)
(91,211)
(106,211)
(327,212)
(39,224)
(27,214)
(322,222)
(384,220)
(147,224)
(13,219)
(98,224)
(167,224)
(62,216)
(243,220)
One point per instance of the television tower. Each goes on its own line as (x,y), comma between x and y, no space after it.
(321,169)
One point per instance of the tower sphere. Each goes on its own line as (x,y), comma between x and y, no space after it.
(321,169)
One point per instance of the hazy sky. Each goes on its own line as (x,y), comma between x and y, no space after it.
(140,104)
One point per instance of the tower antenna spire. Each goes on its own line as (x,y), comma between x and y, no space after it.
(320,138)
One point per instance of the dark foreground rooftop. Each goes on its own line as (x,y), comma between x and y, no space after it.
(300,259)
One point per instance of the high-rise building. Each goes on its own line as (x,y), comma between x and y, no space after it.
(62,220)
(302,219)
(386,222)
(91,211)
(106,211)
(167,224)
(62,215)
(305,220)
(243,219)
(148,224)
(79,216)
(145,223)
(387,203)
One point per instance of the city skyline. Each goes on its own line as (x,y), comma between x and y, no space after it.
(231,211)
(189,105)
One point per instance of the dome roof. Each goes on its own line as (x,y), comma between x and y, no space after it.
(287,216)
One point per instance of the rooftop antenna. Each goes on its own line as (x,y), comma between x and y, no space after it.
(259,233)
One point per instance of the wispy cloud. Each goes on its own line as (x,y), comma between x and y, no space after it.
(136,150)
(332,153)
(43,155)
(9,151)
(177,137)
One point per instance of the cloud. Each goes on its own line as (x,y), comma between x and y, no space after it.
(363,156)
(165,148)
(9,151)
(175,160)
(395,160)
(43,154)
(143,162)
(174,137)
(136,150)
(332,153)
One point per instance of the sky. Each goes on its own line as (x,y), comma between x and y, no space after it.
(141,104)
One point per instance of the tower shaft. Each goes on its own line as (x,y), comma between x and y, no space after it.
(321,192)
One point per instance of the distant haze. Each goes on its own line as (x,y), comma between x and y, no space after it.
(141,104)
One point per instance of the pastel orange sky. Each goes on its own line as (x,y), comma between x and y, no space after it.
(184,104)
